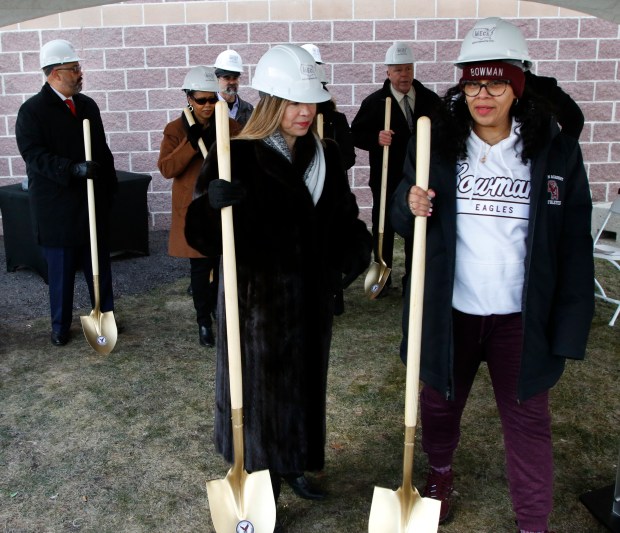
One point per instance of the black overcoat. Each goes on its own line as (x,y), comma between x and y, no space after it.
(51,139)
(244,112)
(370,120)
(290,256)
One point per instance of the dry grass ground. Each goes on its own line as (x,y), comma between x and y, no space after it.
(123,443)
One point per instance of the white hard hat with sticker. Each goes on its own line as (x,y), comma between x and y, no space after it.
(288,71)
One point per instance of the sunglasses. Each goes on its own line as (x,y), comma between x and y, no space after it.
(205,100)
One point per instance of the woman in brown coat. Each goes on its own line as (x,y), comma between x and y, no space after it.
(180,159)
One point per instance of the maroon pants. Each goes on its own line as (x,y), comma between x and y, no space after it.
(496,339)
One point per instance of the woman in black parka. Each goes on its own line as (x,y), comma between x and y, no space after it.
(509,269)
(296,233)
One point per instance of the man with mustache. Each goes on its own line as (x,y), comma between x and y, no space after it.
(50,137)
(228,69)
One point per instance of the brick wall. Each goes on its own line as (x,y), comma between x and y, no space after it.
(136,54)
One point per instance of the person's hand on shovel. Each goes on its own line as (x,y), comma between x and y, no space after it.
(385,137)
(85,170)
(420,201)
(223,193)
(194,134)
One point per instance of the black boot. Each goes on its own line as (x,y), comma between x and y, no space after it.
(205,336)
(302,487)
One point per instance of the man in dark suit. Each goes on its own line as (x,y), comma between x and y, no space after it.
(49,134)
(410,100)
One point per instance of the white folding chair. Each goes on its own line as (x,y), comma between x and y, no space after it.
(608,253)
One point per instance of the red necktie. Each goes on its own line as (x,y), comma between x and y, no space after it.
(71,105)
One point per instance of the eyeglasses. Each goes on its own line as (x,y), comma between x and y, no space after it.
(493,87)
(205,100)
(76,69)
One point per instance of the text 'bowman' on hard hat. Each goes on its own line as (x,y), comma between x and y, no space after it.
(288,71)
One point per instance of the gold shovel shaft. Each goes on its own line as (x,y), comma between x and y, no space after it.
(241,501)
(404,510)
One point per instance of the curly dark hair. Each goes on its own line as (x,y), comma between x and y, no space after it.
(454,123)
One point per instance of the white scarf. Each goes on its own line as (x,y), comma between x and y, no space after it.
(314,175)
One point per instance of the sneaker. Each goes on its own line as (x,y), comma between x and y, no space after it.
(439,487)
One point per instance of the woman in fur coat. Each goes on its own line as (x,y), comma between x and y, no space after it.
(296,233)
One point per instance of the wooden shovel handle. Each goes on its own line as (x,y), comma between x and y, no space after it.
(191,122)
(229,262)
(319,125)
(92,218)
(384,171)
(414,339)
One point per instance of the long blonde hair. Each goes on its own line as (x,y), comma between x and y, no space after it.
(266,118)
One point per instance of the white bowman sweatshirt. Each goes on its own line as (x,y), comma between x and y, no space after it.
(492,206)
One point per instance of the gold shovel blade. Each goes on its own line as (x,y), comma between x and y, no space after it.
(376,278)
(397,512)
(244,505)
(100,331)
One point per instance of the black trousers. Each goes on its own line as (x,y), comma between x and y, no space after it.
(62,265)
(388,235)
(204,288)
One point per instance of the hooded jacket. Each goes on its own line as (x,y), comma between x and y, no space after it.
(558,285)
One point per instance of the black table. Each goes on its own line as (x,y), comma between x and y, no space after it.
(129,223)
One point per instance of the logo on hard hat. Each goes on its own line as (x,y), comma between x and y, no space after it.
(308,72)
(484,34)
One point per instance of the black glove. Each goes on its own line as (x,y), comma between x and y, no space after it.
(208,135)
(223,193)
(194,133)
(86,170)
(356,266)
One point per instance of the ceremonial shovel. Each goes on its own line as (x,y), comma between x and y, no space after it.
(241,502)
(319,125)
(379,271)
(99,328)
(404,510)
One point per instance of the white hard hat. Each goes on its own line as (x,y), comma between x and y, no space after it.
(201,79)
(494,39)
(399,54)
(57,52)
(314,51)
(288,71)
(320,72)
(229,60)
